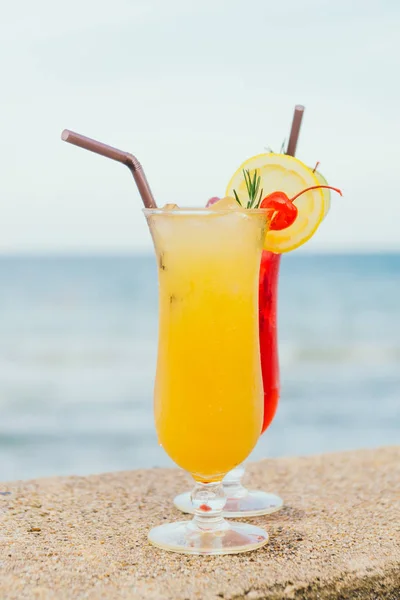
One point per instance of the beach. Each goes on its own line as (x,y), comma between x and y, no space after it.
(86,537)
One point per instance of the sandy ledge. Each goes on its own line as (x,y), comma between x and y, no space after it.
(85,537)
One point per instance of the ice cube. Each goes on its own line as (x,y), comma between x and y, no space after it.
(212,201)
(227,203)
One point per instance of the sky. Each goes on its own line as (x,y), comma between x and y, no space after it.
(193,89)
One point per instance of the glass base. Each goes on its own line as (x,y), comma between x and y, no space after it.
(253,504)
(186,538)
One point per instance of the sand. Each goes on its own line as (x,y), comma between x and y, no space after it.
(86,537)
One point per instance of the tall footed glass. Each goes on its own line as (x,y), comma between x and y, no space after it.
(242,502)
(208,390)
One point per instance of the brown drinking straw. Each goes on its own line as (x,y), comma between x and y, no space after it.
(123,157)
(295,130)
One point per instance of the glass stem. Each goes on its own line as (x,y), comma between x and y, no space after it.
(233,487)
(208,500)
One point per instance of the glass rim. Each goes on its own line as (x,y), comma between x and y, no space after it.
(205,211)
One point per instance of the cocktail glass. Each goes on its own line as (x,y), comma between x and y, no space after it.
(242,502)
(208,390)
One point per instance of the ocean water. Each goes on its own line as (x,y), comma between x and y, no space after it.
(78,347)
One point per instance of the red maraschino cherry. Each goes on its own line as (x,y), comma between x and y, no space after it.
(286,211)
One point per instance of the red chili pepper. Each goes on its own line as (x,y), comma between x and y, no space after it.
(285,211)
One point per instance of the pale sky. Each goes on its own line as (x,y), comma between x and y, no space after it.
(193,88)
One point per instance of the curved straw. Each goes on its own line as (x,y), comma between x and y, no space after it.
(120,156)
(295,130)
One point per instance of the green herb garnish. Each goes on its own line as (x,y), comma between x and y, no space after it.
(253,183)
(237,198)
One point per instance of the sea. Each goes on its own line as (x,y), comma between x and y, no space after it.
(78,343)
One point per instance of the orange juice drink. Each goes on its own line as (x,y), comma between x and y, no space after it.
(208,392)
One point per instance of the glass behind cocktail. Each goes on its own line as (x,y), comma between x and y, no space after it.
(268,299)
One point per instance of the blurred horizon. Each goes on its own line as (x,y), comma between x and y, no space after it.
(149,252)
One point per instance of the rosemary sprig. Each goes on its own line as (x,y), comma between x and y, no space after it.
(281,151)
(253,183)
(237,198)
